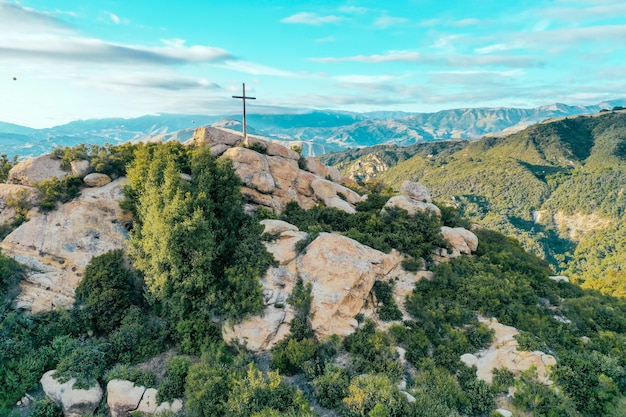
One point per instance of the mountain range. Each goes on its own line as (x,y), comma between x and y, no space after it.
(558,187)
(318,132)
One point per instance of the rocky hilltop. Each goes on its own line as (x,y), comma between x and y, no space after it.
(56,247)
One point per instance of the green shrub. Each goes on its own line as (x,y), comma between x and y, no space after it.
(331,387)
(128,373)
(47,408)
(174,384)
(389,310)
(54,190)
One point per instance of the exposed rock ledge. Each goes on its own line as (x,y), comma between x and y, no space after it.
(503,354)
(57,246)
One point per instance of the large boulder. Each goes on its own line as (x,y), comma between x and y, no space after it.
(123,397)
(80,168)
(342,272)
(415,191)
(503,354)
(461,240)
(75,402)
(212,136)
(253,169)
(34,170)
(57,246)
(411,205)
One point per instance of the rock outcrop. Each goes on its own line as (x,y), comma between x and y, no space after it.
(414,198)
(35,170)
(272,176)
(341,272)
(124,397)
(75,402)
(14,192)
(96,180)
(57,246)
(503,354)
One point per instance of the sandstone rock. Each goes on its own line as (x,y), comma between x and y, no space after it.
(328,192)
(219,149)
(96,180)
(253,169)
(174,407)
(503,354)
(75,402)
(342,273)
(276,227)
(264,331)
(415,191)
(461,240)
(334,174)
(57,246)
(148,402)
(314,166)
(284,172)
(504,413)
(123,397)
(14,192)
(213,136)
(411,206)
(35,170)
(274,149)
(80,168)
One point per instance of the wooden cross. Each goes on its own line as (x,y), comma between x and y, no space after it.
(243,99)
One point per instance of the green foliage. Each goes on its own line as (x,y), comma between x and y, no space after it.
(372,352)
(5,166)
(54,190)
(174,384)
(107,159)
(415,236)
(10,273)
(542,400)
(223,385)
(47,408)
(384,293)
(332,386)
(128,373)
(106,291)
(86,363)
(300,299)
(367,393)
(200,254)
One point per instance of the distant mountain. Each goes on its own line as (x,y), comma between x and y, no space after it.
(558,186)
(318,132)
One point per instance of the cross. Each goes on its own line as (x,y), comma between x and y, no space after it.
(243,99)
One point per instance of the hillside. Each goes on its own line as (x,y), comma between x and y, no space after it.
(557,186)
(220,278)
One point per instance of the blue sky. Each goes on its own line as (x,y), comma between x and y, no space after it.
(109,58)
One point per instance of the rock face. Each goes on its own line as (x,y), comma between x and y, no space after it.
(271,174)
(75,402)
(503,354)
(341,272)
(461,240)
(80,168)
(123,398)
(57,246)
(414,198)
(35,170)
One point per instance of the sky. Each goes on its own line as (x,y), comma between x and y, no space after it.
(64,60)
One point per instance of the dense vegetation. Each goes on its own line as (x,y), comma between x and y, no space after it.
(558,187)
(194,263)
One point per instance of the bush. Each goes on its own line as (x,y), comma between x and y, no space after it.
(174,384)
(47,408)
(54,190)
(125,372)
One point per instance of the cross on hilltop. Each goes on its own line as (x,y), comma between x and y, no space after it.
(243,99)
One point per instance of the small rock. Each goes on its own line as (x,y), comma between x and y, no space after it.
(80,168)
(504,413)
(96,180)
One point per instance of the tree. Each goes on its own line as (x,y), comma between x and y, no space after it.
(201,255)
(106,291)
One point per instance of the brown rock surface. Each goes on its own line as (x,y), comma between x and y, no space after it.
(342,273)
(75,402)
(57,246)
(13,191)
(461,240)
(96,180)
(123,397)
(503,354)
(411,206)
(253,169)
(35,170)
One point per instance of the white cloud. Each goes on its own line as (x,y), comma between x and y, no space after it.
(391,56)
(314,19)
(16,18)
(325,39)
(115,18)
(388,21)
